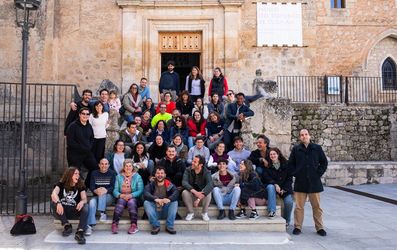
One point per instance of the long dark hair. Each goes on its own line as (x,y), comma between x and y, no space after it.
(94,111)
(135,156)
(157,125)
(66,179)
(200,122)
(115,145)
(249,169)
(281,157)
(130,90)
(184,92)
(182,120)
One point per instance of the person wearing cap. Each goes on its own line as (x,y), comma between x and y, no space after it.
(169,81)
(225,191)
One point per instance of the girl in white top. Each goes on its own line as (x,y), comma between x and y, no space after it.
(199,106)
(195,84)
(99,121)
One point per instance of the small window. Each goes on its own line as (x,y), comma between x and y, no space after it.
(389,74)
(338,4)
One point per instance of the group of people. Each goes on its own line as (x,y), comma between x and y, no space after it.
(180,152)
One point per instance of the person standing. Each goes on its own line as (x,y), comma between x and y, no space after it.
(169,81)
(79,141)
(218,84)
(73,114)
(143,89)
(99,122)
(195,84)
(198,185)
(308,163)
(161,201)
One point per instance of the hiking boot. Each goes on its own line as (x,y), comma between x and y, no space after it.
(67,230)
(296,231)
(241,214)
(231,214)
(155,230)
(133,229)
(79,237)
(115,228)
(221,214)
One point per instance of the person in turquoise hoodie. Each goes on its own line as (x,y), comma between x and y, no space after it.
(128,190)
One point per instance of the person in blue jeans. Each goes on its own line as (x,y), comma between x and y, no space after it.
(161,201)
(225,191)
(101,185)
(278,181)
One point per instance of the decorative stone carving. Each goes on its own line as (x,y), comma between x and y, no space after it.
(266,88)
(109,85)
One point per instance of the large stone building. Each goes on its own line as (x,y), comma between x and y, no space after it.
(84,41)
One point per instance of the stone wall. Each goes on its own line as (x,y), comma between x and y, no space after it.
(349,133)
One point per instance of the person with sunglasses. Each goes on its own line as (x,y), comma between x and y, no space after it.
(79,141)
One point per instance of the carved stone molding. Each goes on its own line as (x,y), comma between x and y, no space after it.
(190,3)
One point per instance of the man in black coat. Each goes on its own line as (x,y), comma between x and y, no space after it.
(79,141)
(308,163)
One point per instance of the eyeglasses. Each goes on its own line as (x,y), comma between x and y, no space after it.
(134,88)
(163,107)
(230,94)
(178,121)
(85,113)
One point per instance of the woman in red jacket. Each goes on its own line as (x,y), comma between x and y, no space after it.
(196,126)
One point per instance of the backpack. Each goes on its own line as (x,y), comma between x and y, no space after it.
(24,225)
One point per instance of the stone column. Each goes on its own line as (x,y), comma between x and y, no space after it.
(231,35)
(128,47)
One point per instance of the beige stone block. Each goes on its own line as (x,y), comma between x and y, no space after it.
(359,181)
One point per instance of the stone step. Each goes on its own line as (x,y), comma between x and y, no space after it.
(212,211)
(261,224)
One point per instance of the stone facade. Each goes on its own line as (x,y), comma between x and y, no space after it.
(349,133)
(82,42)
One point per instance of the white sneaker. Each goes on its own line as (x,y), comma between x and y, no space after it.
(88,230)
(103,217)
(189,216)
(205,217)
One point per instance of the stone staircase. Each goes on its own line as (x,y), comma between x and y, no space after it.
(261,224)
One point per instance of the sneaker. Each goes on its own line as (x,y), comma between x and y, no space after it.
(133,229)
(296,231)
(322,232)
(103,217)
(115,228)
(241,214)
(155,230)
(88,230)
(231,214)
(221,214)
(67,230)
(205,217)
(189,216)
(271,214)
(170,230)
(79,237)
(254,215)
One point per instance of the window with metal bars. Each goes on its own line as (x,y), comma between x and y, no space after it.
(389,74)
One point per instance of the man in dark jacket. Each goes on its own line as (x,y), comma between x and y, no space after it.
(198,185)
(161,200)
(174,167)
(130,136)
(79,140)
(260,157)
(74,113)
(169,81)
(235,115)
(308,163)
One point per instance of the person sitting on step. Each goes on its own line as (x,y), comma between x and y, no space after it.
(101,185)
(225,191)
(69,201)
(128,190)
(161,201)
(253,192)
